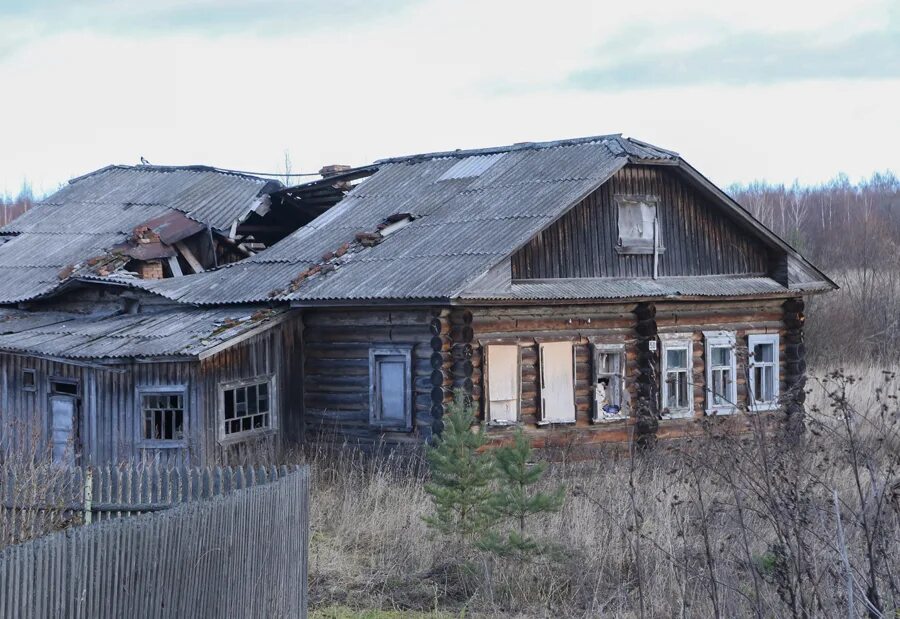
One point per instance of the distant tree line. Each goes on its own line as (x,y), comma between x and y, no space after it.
(13,206)
(838,224)
(852,231)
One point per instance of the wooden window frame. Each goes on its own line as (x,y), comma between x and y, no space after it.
(720,339)
(753,340)
(486,346)
(33,374)
(638,246)
(597,349)
(543,421)
(236,437)
(375,418)
(145,390)
(669,342)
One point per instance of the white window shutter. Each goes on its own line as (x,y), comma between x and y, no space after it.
(503,383)
(557,365)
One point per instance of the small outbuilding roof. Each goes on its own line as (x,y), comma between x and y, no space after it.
(177,331)
(93,213)
(431,227)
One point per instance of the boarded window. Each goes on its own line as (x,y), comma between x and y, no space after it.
(163,416)
(677,389)
(763,368)
(247,408)
(557,373)
(609,383)
(503,383)
(721,375)
(638,224)
(390,389)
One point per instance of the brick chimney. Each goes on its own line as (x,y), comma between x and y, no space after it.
(150,269)
(334,168)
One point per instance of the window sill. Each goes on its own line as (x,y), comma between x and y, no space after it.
(556,422)
(247,436)
(610,419)
(639,250)
(721,412)
(502,424)
(678,415)
(162,445)
(389,428)
(764,408)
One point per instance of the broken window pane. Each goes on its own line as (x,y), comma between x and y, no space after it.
(246,408)
(163,416)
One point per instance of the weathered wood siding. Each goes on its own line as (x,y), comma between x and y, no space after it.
(275,352)
(336,346)
(109,425)
(110,414)
(614,324)
(698,237)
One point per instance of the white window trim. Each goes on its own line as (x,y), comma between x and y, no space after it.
(720,339)
(273,409)
(487,384)
(752,340)
(669,341)
(404,351)
(616,349)
(143,390)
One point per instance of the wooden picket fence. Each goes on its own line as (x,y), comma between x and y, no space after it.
(169,543)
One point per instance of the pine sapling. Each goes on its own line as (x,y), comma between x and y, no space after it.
(515,500)
(460,475)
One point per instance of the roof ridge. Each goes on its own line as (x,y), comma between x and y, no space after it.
(491,150)
(146,167)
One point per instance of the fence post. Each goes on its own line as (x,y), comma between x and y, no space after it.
(88,494)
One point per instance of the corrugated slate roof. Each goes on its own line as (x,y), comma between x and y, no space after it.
(95,212)
(469,211)
(635,288)
(178,331)
(472,218)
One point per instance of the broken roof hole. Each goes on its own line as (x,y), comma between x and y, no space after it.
(395,222)
(471,167)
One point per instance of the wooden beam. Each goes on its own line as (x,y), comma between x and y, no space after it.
(189,256)
(175,267)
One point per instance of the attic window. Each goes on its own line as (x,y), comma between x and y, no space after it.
(639,227)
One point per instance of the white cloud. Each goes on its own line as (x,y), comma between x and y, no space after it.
(421,80)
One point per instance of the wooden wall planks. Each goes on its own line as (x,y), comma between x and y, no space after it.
(699,239)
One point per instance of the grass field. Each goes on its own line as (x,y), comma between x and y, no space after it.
(716,526)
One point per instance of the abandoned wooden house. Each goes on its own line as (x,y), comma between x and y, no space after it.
(598,289)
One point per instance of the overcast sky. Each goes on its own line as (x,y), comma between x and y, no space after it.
(770,89)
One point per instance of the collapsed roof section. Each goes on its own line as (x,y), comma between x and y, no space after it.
(436,226)
(136,221)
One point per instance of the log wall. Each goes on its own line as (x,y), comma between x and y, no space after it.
(634,325)
(336,346)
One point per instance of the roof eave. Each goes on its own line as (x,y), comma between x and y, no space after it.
(743,214)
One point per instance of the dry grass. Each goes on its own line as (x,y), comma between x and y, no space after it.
(713,527)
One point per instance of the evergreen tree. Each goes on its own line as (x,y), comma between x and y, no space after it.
(515,501)
(460,485)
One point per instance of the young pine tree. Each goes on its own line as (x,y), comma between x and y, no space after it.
(460,485)
(515,500)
